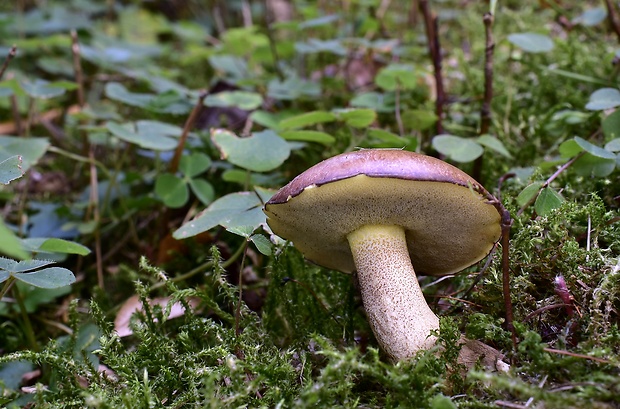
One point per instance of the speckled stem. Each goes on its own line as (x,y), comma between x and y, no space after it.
(397,311)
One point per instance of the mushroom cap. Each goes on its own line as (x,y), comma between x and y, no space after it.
(450,220)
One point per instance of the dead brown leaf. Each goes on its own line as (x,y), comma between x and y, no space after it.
(133,305)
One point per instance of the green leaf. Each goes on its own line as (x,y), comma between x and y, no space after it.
(194,164)
(570,116)
(118,92)
(30,149)
(27,265)
(243,40)
(10,245)
(292,88)
(172,190)
(11,169)
(12,373)
(374,100)
(52,277)
(262,244)
(245,178)
(6,91)
(144,134)
(590,165)
(320,21)
(528,193)
(231,66)
(55,245)
(419,119)
(397,76)
(240,99)
(604,98)
(243,230)
(493,143)
(613,145)
(170,102)
(591,17)
(315,45)
(569,148)
(611,125)
(7,264)
(357,118)
(307,119)
(264,118)
(594,150)
(203,190)
(388,139)
(457,148)
(547,201)
(308,136)
(532,42)
(261,152)
(232,211)
(42,89)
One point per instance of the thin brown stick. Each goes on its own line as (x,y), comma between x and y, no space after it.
(485,111)
(399,120)
(77,67)
(551,179)
(246,12)
(613,17)
(240,285)
(17,125)
(543,309)
(434,48)
(506,224)
(174,163)
(509,405)
(449,297)
(568,353)
(268,18)
(94,203)
(12,53)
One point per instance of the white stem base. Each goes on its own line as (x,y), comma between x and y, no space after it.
(397,311)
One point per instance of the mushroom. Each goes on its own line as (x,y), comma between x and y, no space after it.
(380,212)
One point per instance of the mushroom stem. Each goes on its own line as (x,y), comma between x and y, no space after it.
(397,311)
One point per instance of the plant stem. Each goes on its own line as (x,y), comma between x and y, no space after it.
(174,163)
(506,224)
(240,285)
(94,204)
(613,17)
(80,158)
(7,286)
(485,110)
(27,324)
(7,60)
(430,22)
(551,179)
(77,67)
(272,43)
